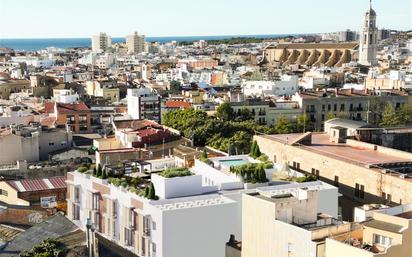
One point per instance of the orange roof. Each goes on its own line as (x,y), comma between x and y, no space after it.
(178,104)
(65,108)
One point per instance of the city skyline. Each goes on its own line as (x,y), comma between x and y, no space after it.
(184,18)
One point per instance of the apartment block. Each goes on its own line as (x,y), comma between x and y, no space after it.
(290,221)
(355,103)
(388,233)
(135,43)
(143,103)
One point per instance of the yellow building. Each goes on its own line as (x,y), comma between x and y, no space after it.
(387,234)
(106,90)
(311,54)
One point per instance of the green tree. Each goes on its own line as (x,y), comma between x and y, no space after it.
(104,175)
(405,114)
(376,109)
(152,192)
(99,171)
(330,116)
(204,154)
(175,87)
(283,126)
(255,150)
(343,115)
(224,111)
(389,118)
(94,171)
(304,124)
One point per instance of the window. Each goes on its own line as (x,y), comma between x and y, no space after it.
(128,237)
(342,107)
(77,194)
(51,143)
(4,192)
(132,218)
(357,190)
(329,107)
(323,107)
(70,119)
(114,209)
(76,212)
(362,192)
(335,107)
(82,118)
(96,201)
(336,183)
(97,221)
(382,240)
(153,225)
(154,248)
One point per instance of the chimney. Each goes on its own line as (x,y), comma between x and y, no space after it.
(366,91)
(351,90)
(336,91)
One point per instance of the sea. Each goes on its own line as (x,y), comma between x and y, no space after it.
(35,44)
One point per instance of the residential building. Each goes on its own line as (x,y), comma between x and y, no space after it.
(198,63)
(101,43)
(8,87)
(386,233)
(31,143)
(136,139)
(367,173)
(160,227)
(286,86)
(353,103)
(135,43)
(369,39)
(16,115)
(65,96)
(290,221)
(107,90)
(268,112)
(36,193)
(77,116)
(143,103)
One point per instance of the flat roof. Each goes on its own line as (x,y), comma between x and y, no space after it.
(341,151)
(385,226)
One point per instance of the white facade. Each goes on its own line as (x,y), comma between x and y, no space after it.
(66,96)
(197,225)
(288,85)
(101,42)
(143,103)
(369,39)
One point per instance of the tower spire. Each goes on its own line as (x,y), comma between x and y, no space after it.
(370,4)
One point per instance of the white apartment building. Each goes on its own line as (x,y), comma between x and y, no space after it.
(143,103)
(288,85)
(101,42)
(190,219)
(65,96)
(135,43)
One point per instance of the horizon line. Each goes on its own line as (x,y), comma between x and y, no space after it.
(171,36)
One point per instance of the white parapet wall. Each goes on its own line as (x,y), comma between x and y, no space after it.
(167,188)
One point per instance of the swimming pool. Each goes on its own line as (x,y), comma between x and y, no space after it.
(235,162)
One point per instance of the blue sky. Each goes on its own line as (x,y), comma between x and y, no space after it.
(83,18)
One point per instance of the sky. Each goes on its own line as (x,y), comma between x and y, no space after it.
(83,18)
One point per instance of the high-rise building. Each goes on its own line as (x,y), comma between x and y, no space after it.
(101,42)
(369,39)
(135,43)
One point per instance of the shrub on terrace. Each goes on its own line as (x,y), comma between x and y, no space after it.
(175,172)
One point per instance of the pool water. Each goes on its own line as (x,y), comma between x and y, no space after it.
(229,163)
